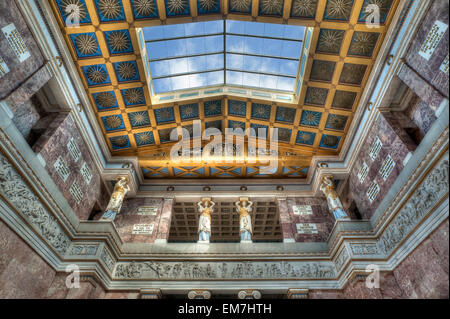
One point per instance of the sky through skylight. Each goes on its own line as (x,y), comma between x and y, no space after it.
(236,53)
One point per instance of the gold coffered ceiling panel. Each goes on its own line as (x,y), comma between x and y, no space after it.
(105,48)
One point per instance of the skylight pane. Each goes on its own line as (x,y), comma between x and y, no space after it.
(180,82)
(215,78)
(251,79)
(288,67)
(174,30)
(258,55)
(233,26)
(162,85)
(182,30)
(214,61)
(260,64)
(273,30)
(160,68)
(235,43)
(157,50)
(175,48)
(178,66)
(198,80)
(293,32)
(214,43)
(195,45)
(272,47)
(235,61)
(197,63)
(291,49)
(234,78)
(268,81)
(254,28)
(285,84)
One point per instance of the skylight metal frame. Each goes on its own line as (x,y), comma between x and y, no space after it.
(226,88)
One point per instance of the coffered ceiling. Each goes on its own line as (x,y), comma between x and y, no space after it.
(105,48)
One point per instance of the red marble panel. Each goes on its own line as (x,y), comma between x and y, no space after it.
(422,274)
(321,216)
(58,289)
(392,145)
(429,70)
(422,115)
(164,221)
(286,220)
(128,216)
(19,72)
(51,145)
(83,292)
(122,295)
(325,294)
(23,273)
(424,90)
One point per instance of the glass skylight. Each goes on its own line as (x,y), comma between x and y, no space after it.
(235,53)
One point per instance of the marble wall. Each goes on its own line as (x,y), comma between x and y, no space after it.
(320,216)
(424,273)
(131,215)
(82,187)
(421,115)
(421,275)
(429,69)
(19,72)
(23,273)
(397,145)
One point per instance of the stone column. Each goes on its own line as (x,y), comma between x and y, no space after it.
(151,293)
(115,203)
(334,203)
(249,294)
(199,294)
(163,229)
(294,293)
(286,221)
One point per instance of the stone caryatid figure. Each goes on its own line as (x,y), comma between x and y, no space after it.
(115,203)
(205,208)
(244,207)
(334,203)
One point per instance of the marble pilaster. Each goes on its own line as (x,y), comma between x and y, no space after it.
(424,90)
(286,221)
(163,228)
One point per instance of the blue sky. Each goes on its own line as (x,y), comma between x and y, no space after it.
(168,55)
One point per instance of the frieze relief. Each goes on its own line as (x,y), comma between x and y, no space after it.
(424,198)
(84,249)
(341,259)
(364,249)
(19,195)
(224,270)
(107,259)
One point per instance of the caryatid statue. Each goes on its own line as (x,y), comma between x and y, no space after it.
(334,203)
(244,207)
(115,203)
(205,208)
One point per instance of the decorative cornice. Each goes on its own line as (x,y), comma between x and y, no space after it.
(419,207)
